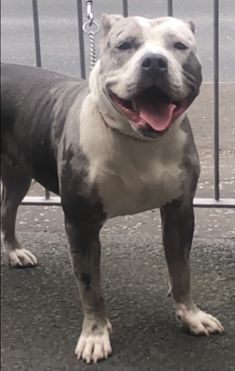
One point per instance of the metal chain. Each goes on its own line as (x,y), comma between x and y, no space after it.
(92,49)
(91,27)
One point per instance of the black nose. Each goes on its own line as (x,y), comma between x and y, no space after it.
(154,63)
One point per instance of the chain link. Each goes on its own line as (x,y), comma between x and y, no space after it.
(90,15)
(91,27)
(92,49)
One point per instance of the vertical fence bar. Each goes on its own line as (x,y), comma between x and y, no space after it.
(216,99)
(36,33)
(38,52)
(125,8)
(170,8)
(81,39)
(47,194)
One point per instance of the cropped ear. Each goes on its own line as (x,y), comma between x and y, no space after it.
(108,20)
(191,25)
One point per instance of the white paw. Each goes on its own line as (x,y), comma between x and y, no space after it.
(21,258)
(94,342)
(198,322)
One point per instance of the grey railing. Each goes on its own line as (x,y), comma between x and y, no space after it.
(216,200)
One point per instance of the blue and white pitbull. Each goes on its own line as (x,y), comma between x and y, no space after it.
(119,146)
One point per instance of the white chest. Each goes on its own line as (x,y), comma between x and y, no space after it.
(133,175)
(132,189)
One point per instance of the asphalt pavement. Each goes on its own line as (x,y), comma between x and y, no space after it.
(41,313)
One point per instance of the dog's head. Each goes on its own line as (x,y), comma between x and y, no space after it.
(147,75)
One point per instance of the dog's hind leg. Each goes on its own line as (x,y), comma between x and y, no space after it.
(15,184)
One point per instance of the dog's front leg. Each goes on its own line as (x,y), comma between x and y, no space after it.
(178,227)
(94,341)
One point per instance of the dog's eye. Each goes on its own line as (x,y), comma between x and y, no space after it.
(180,46)
(126,45)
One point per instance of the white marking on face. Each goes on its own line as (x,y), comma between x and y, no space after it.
(143,22)
(158,36)
(98,98)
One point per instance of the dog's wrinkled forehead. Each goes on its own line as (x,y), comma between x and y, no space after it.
(117,29)
(140,30)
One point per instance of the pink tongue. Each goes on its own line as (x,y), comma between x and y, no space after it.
(159,118)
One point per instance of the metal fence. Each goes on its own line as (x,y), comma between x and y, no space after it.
(216,200)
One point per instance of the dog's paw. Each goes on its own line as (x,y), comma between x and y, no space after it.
(198,322)
(94,342)
(20,258)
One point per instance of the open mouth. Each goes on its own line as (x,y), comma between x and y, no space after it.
(152,109)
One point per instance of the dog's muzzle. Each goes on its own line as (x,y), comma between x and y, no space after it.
(151,110)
